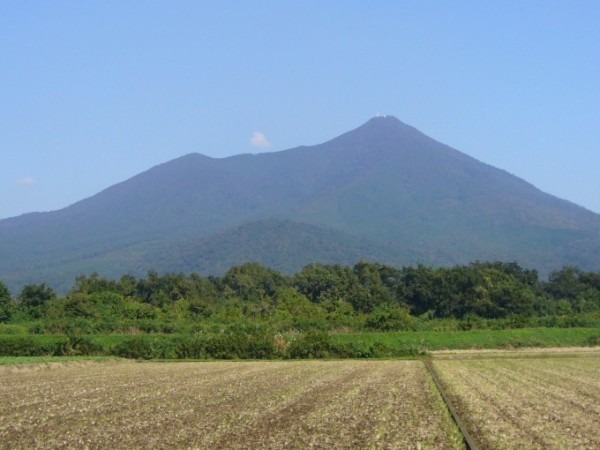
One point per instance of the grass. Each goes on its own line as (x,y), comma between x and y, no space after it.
(478,339)
(337,345)
(18,360)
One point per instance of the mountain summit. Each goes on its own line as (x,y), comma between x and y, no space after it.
(384,191)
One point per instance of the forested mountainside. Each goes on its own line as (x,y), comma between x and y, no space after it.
(383,191)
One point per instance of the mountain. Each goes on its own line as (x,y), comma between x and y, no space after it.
(384,191)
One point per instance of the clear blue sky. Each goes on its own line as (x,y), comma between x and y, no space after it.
(92,93)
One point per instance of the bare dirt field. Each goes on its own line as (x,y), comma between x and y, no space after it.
(526,400)
(232,405)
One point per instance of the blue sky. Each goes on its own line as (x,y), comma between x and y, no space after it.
(92,93)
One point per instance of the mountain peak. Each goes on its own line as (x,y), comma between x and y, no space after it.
(386,124)
(387,117)
(382,191)
(384,120)
(385,132)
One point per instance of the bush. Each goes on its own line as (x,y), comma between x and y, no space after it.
(146,347)
(12,329)
(313,344)
(244,342)
(191,347)
(594,340)
(351,350)
(237,343)
(390,317)
(83,345)
(28,345)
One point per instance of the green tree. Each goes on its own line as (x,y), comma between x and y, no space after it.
(390,317)
(94,283)
(565,283)
(7,305)
(34,298)
(325,283)
(127,285)
(487,290)
(163,290)
(570,284)
(254,282)
(295,311)
(79,304)
(369,291)
(425,290)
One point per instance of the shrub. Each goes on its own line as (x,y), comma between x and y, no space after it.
(594,340)
(28,345)
(390,317)
(146,347)
(84,345)
(191,347)
(313,344)
(12,329)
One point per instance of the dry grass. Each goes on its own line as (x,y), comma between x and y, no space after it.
(527,402)
(529,352)
(315,404)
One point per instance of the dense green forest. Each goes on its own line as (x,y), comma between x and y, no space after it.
(324,310)
(366,296)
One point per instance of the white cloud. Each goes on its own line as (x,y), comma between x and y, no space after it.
(259,140)
(26,181)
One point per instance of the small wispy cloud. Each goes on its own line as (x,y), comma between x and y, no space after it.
(26,181)
(259,140)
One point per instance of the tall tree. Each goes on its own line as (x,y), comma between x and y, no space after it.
(7,305)
(254,282)
(34,297)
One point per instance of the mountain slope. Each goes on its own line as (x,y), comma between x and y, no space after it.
(381,190)
(283,244)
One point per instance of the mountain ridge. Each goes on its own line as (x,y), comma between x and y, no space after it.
(383,183)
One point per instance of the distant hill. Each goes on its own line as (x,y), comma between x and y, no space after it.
(283,244)
(383,191)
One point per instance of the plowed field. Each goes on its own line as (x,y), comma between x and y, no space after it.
(507,400)
(543,401)
(227,405)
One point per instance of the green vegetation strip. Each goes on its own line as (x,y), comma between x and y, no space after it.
(20,360)
(417,342)
(469,441)
(265,344)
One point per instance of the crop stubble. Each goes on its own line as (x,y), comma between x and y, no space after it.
(308,404)
(527,402)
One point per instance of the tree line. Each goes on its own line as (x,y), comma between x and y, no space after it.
(365,296)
